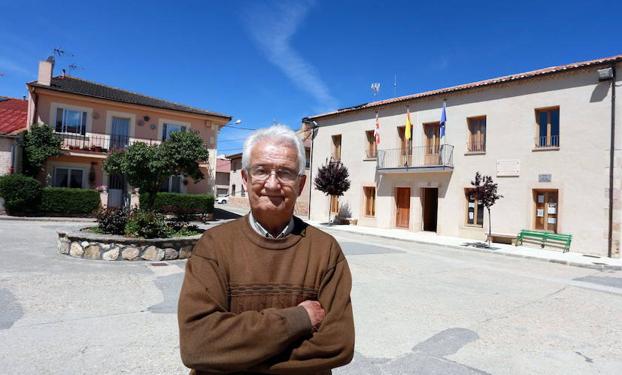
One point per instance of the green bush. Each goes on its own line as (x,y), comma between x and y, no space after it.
(112,220)
(68,201)
(21,193)
(179,204)
(147,224)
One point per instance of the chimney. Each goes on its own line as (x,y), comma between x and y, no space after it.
(45,71)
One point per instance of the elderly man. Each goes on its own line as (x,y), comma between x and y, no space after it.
(267,293)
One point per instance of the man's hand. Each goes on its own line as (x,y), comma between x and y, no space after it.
(315,311)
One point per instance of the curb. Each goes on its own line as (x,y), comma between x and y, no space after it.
(599,267)
(34,218)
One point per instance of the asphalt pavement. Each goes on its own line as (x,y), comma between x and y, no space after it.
(419,309)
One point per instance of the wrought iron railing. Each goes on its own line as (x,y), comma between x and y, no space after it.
(101,142)
(550,141)
(416,157)
(476,146)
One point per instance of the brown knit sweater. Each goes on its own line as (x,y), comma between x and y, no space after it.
(238,308)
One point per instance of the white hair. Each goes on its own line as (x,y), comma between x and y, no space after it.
(278,134)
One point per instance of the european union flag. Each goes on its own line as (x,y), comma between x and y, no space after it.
(443,120)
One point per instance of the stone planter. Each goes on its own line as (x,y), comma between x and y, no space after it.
(116,248)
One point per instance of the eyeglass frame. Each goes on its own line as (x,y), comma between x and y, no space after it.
(274,171)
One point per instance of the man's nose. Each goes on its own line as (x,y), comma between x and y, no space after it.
(272,182)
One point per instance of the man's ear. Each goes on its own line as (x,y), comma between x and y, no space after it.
(245,179)
(301,184)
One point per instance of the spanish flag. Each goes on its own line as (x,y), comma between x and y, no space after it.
(408,124)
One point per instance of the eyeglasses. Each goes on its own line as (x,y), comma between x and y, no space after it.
(260,173)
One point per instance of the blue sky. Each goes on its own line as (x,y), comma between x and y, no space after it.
(278,61)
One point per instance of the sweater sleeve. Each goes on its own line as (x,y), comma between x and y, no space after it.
(333,344)
(216,340)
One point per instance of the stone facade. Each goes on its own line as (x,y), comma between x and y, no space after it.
(117,248)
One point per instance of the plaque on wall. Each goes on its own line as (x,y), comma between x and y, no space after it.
(508,168)
(545,177)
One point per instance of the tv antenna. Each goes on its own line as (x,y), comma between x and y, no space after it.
(375,88)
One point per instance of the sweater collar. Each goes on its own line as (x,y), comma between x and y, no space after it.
(283,243)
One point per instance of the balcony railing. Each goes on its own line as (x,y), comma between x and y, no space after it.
(476,146)
(416,158)
(547,142)
(101,142)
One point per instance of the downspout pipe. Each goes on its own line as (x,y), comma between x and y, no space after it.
(612,160)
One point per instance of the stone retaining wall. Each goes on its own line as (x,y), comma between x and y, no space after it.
(113,248)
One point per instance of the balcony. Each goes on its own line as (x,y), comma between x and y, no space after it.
(419,159)
(100,143)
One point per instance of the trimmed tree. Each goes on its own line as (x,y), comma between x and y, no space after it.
(40,144)
(148,166)
(332,179)
(486,192)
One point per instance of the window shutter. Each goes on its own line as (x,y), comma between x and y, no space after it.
(59,120)
(83,127)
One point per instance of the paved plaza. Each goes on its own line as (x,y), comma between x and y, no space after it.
(419,309)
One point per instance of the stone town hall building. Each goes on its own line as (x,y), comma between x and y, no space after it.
(544,136)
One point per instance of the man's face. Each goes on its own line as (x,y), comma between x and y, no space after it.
(272,200)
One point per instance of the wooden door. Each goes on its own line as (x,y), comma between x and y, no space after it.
(547,210)
(402,202)
(432,143)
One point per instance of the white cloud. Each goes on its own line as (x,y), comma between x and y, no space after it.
(272,28)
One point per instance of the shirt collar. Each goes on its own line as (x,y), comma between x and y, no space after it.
(264,233)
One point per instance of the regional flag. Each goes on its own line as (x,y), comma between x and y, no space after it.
(377,130)
(408,124)
(443,120)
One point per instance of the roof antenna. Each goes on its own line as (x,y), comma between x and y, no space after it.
(375,88)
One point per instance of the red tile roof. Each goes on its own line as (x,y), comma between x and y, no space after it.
(223,165)
(13,113)
(488,82)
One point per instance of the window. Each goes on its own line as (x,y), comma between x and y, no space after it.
(233,190)
(334,204)
(307,158)
(405,147)
(371,150)
(242,191)
(477,134)
(168,129)
(68,177)
(70,121)
(548,127)
(172,185)
(370,200)
(337,147)
(432,142)
(546,214)
(475,209)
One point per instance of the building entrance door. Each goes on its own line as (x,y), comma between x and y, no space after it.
(402,203)
(429,202)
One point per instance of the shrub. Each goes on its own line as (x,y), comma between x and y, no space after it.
(180,204)
(68,201)
(21,193)
(147,224)
(112,220)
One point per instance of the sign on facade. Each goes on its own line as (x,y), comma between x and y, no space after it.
(544,178)
(508,168)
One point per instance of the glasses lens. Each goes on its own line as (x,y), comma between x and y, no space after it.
(260,173)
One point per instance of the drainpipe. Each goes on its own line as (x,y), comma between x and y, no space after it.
(612,159)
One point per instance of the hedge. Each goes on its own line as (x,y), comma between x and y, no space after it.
(175,203)
(68,201)
(21,194)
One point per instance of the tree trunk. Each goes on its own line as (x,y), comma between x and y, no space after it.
(489,227)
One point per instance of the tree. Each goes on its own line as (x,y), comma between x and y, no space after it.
(148,166)
(486,193)
(40,144)
(332,179)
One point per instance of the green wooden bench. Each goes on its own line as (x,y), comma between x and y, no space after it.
(545,238)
